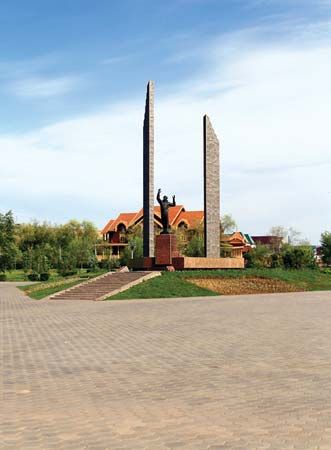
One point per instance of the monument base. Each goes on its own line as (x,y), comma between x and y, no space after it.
(167,258)
(191,263)
(165,249)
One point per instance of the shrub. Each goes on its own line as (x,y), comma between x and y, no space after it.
(67,266)
(299,257)
(92,265)
(126,259)
(259,257)
(195,247)
(110,264)
(226,250)
(44,276)
(33,276)
(277,260)
(326,247)
(3,277)
(67,272)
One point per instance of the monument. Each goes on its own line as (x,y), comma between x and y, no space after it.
(161,251)
(148,173)
(166,246)
(211,180)
(164,208)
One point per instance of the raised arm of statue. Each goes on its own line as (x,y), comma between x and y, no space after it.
(158,198)
(173,201)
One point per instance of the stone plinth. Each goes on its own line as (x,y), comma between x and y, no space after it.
(165,249)
(211,190)
(208,263)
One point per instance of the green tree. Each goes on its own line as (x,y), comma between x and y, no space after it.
(228,224)
(135,243)
(298,257)
(8,248)
(326,247)
(195,247)
(258,257)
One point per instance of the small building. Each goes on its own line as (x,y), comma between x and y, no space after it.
(273,242)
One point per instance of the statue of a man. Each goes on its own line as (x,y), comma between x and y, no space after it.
(164,206)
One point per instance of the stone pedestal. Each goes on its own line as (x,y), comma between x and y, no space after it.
(165,249)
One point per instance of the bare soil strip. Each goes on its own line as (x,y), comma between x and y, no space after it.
(249,285)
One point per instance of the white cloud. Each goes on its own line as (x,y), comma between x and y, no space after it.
(270,107)
(43,87)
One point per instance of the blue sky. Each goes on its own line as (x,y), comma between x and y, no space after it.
(73,75)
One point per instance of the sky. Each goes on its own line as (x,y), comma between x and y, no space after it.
(73,80)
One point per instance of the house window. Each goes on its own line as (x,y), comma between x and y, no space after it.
(182,226)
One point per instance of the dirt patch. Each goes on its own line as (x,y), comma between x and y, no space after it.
(246,285)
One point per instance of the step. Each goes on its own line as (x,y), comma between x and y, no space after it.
(106,285)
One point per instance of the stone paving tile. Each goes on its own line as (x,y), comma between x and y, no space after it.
(235,373)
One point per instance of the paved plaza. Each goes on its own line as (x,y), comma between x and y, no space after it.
(248,372)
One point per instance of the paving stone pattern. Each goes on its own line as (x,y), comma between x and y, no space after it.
(238,373)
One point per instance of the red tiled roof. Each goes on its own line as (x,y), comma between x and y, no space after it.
(107,227)
(192,218)
(233,238)
(125,218)
(176,215)
(173,212)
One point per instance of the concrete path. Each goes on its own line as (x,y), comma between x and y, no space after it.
(248,372)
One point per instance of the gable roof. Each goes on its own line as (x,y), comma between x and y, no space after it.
(192,218)
(125,218)
(107,227)
(130,219)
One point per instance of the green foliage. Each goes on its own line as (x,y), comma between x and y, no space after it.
(44,276)
(276,260)
(136,243)
(8,248)
(258,257)
(67,265)
(195,247)
(3,277)
(326,247)
(33,276)
(291,257)
(298,257)
(92,264)
(109,264)
(225,250)
(69,245)
(228,224)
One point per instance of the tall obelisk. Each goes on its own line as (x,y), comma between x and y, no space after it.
(148,178)
(211,163)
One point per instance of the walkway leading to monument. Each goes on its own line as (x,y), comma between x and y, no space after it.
(237,373)
(102,287)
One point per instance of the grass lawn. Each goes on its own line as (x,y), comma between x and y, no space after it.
(167,285)
(176,284)
(42,290)
(20,275)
